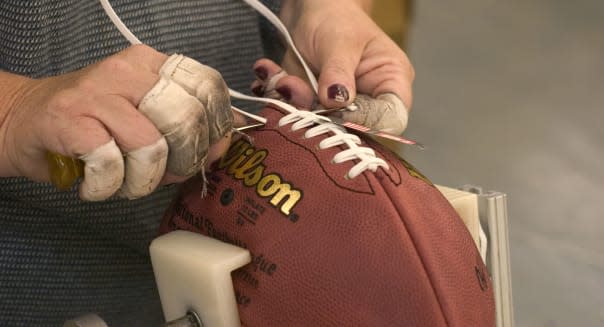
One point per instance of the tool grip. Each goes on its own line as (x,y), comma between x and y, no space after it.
(64,171)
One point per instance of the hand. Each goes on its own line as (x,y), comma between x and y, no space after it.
(351,55)
(137,119)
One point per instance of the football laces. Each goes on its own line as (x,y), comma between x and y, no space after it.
(321,125)
(365,157)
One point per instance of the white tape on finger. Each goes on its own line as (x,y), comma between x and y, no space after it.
(103,172)
(271,84)
(207,85)
(386,113)
(181,118)
(145,168)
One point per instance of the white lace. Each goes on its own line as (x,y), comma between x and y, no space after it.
(367,160)
(366,157)
(323,125)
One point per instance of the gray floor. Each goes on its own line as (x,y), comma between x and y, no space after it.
(510,96)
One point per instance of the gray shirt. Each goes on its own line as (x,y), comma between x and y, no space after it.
(61,257)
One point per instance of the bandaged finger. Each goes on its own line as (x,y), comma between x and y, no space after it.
(145,168)
(386,113)
(103,172)
(182,120)
(271,85)
(208,86)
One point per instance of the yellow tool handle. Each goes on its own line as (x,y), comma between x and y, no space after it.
(64,171)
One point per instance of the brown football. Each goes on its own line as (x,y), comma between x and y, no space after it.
(341,234)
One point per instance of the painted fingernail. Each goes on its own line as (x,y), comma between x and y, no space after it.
(285,92)
(258,90)
(338,92)
(261,72)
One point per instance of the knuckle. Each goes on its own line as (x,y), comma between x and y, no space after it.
(401,69)
(115,65)
(63,101)
(87,85)
(138,50)
(337,66)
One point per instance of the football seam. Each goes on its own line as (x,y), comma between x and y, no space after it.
(432,284)
(391,167)
(372,192)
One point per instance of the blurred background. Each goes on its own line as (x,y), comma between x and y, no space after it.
(509,95)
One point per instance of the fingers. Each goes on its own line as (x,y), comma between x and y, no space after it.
(132,127)
(187,102)
(145,168)
(104,165)
(207,85)
(384,111)
(134,139)
(386,69)
(181,118)
(295,91)
(350,59)
(103,172)
(383,77)
(144,148)
(117,157)
(273,82)
(268,75)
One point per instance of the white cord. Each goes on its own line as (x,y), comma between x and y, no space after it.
(115,19)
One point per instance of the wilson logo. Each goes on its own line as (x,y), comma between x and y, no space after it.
(244,162)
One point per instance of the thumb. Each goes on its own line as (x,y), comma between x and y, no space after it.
(338,63)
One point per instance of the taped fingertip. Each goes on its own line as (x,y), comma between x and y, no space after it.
(386,113)
(398,116)
(271,84)
(394,99)
(103,172)
(144,169)
(400,112)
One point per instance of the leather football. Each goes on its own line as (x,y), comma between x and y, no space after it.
(342,232)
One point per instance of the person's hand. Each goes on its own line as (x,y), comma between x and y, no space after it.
(137,119)
(350,54)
